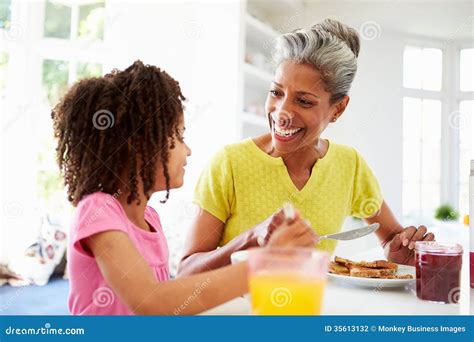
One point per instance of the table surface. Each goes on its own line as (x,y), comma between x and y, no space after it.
(351,300)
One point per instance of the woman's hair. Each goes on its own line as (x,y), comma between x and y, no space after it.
(331,46)
(108,126)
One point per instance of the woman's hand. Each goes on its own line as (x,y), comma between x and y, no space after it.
(401,249)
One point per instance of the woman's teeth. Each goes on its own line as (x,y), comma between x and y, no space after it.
(286,132)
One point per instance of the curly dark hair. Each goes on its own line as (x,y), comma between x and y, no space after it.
(106,125)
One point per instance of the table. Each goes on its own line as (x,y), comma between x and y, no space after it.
(350,300)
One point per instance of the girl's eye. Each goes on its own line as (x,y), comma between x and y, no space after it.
(274,92)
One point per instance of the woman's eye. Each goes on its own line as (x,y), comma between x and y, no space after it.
(305,103)
(274,92)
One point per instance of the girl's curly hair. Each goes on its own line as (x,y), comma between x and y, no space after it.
(106,125)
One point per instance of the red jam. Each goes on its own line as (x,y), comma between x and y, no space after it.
(438,271)
(471,263)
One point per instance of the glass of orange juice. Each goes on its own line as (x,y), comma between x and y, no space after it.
(285,281)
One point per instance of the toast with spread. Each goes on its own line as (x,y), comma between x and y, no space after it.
(381,269)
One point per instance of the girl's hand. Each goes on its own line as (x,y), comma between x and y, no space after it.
(295,233)
(401,249)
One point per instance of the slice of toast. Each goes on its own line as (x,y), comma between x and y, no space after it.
(336,268)
(369,264)
(367,272)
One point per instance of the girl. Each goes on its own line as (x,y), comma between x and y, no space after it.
(121,139)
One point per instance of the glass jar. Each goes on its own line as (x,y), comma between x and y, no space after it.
(438,271)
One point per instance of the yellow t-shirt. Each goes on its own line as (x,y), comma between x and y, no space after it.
(242,186)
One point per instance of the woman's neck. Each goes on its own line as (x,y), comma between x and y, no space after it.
(303,158)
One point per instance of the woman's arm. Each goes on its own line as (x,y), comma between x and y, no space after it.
(398,242)
(200,251)
(130,277)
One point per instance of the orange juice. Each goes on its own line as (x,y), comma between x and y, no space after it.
(286,294)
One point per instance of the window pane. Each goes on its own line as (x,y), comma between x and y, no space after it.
(467,69)
(55,79)
(411,198)
(3,70)
(91,21)
(432,68)
(466,152)
(86,70)
(5,13)
(466,126)
(422,68)
(411,161)
(412,58)
(411,119)
(57,20)
(431,162)
(431,121)
(430,198)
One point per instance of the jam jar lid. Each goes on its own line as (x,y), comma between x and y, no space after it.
(438,248)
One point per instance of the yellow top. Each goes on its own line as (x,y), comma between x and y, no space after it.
(242,186)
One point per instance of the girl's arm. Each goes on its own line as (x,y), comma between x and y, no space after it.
(130,277)
(398,242)
(200,251)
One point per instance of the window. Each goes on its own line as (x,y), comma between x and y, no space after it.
(421,155)
(5,14)
(422,68)
(73,21)
(422,117)
(3,71)
(57,20)
(467,70)
(68,23)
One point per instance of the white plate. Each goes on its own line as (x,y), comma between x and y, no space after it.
(375,282)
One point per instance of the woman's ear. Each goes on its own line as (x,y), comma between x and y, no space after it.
(340,107)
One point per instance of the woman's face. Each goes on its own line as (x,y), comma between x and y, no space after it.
(299,107)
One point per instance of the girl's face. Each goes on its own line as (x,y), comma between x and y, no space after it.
(298,106)
(176,162)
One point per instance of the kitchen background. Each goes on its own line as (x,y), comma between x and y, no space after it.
(410,114)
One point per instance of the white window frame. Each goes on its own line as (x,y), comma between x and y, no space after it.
(450,96)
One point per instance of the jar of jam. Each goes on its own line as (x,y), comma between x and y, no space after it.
(438,271)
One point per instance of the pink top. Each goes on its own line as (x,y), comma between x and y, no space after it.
(89,292)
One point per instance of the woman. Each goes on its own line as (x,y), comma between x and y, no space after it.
(246,182)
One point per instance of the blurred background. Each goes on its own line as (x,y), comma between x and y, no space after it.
(410,114)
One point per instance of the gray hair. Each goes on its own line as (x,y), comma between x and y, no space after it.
(331,46)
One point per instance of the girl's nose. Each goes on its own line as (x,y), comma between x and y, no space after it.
(189,152)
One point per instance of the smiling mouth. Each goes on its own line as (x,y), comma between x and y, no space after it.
(286,133)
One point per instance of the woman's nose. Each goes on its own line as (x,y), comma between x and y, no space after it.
(282,117)
(189,152)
